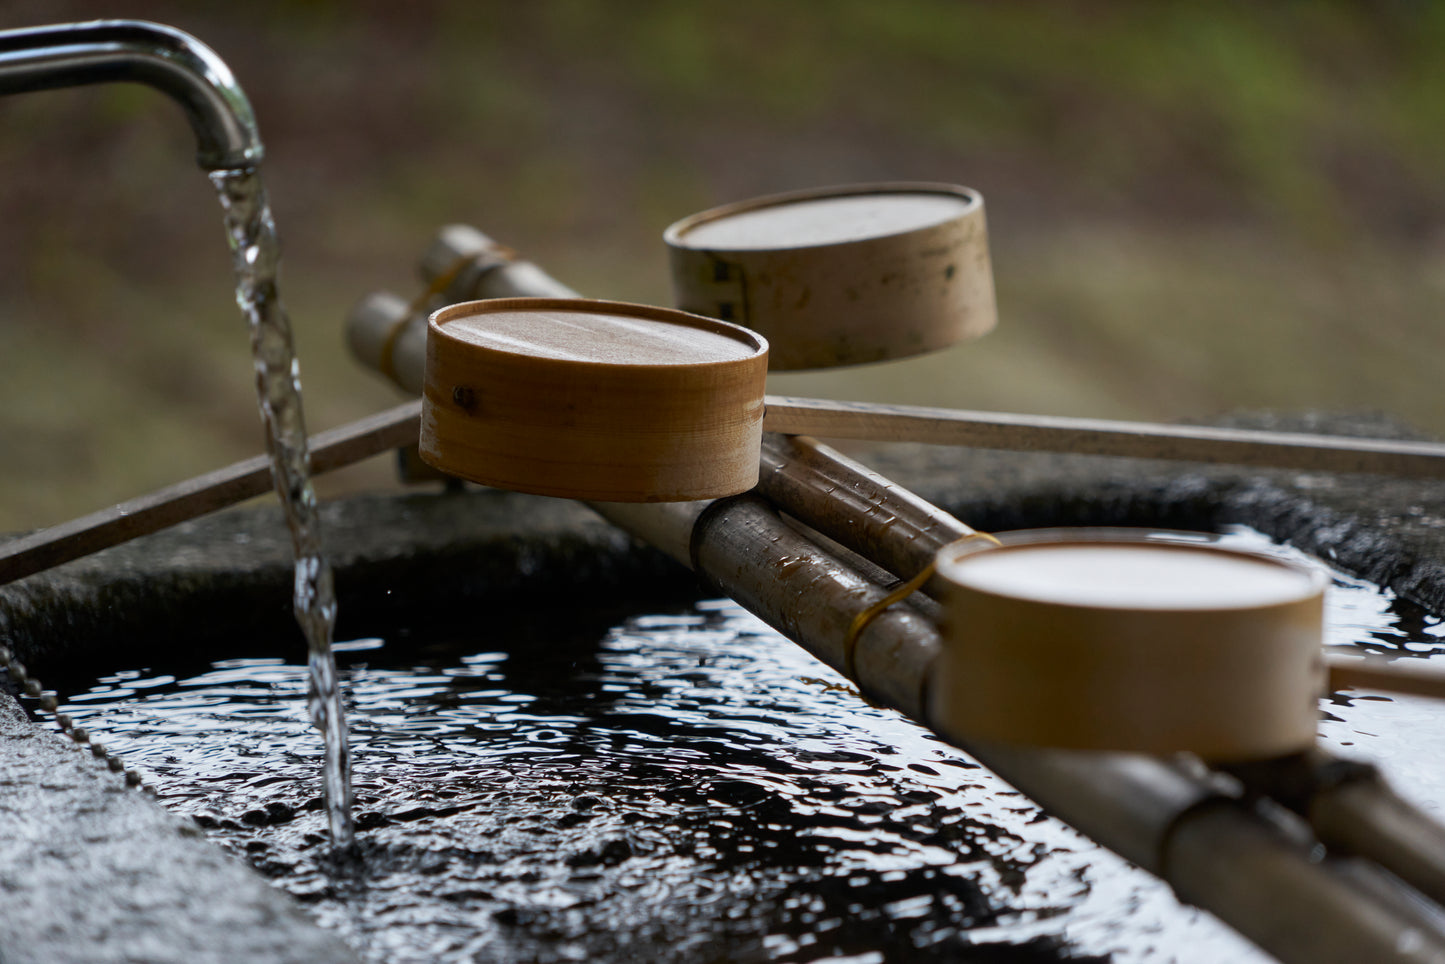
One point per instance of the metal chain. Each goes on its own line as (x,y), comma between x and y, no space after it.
(50,703)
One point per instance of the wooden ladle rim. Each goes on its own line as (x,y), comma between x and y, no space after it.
(676,233)
(750,339)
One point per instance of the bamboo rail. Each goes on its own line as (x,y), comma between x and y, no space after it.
(1248,870)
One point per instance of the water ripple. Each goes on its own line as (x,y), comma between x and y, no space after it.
(684,786)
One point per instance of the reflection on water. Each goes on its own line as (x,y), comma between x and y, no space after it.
(692,787)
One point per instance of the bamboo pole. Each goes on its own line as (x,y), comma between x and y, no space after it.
(1365,816)
(855,506)
(864,512)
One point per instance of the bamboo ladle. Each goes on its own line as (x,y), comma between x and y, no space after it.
(628,403)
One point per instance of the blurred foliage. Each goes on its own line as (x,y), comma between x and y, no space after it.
(1194,207)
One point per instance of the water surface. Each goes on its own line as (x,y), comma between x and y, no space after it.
(684,786)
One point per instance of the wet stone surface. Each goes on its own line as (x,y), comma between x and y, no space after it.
(71,829)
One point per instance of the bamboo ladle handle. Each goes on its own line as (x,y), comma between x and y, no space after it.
(1087,436)
(1412,677)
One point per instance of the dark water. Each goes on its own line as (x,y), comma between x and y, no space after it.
(671,787)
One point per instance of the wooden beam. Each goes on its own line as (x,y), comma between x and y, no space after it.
(331,449)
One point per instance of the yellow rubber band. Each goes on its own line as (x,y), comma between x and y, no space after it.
(865,617)
(386,363)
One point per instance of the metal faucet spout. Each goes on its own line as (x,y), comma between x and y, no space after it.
(170,60)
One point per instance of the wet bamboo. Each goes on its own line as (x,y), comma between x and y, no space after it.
(1365,816)
(1258,874)
(854,505)
(1351,808)
(1355,812)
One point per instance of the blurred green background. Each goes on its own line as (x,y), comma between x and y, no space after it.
(1194,208)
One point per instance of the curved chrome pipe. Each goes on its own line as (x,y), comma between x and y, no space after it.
(170,60)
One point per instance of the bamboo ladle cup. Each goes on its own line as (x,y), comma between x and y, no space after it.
(1140,641)
(841,275)
(1118,639)
(594,400)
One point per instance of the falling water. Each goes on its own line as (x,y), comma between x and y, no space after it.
(254,253)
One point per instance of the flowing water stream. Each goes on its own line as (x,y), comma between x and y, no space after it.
(254,254)
(680,786)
